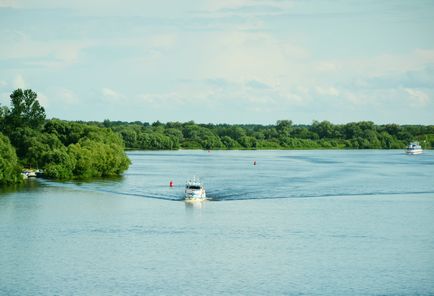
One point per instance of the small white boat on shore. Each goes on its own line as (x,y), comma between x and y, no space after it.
(194,191)
(29,173)
(32,173)
(414,148)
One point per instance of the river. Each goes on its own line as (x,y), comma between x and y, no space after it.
(332,222)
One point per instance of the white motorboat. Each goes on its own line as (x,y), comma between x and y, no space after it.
(194,191)
(29,173)
(414,148)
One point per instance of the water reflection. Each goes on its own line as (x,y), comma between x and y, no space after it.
(27,185)
(191,207)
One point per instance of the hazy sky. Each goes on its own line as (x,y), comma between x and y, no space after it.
(238,61)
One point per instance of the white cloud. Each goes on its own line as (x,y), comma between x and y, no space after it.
(386,64)
(19,82)
(49,54)
(111,96)
(161,41)
(4,99)
(7,3)
(417,97)
(242,56)
(327,91)
(186,94)
(67,96)
(355,98)
(247,7)
(222,4)
(326,66)
(96,8)
(43,100)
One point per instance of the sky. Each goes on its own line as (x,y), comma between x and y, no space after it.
(222,61)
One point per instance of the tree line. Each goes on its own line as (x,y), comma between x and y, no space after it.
(283,135)
(63,150)
(79,150)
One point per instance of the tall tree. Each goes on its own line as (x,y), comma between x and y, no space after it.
(25,111)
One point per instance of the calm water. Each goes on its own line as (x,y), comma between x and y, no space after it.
(297,223)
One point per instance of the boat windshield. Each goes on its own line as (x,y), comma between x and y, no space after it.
(193,187)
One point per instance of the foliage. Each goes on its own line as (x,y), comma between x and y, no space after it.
(64,150)
(283,135)
(25,111)
(85,151)
(9,169)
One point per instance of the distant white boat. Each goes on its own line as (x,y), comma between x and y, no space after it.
(414,148)
(194,191)
(29,173)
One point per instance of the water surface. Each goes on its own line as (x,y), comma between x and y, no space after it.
(297,223)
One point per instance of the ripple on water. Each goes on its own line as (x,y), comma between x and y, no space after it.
(278,174)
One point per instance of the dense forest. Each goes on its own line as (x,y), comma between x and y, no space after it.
(79,150)
(63,150)
(283,135)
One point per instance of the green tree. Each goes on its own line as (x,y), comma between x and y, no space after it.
(230,143)
(3,112)
(248,142)
(58,164)
(25,111)
(9,169)
(284,127)
(324,129)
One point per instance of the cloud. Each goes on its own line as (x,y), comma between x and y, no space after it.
(161,41)
(219,83)
(417,97)
(221,93)
(419,78)
(4,99)
(29,52)
(187,93)
(257,84)
(239,55)
(7,3)
(67,96)
(111,96)
(325,66)
(386,64)
(19,82)
(43,100)
(106,8)
(248,7)
(327,91)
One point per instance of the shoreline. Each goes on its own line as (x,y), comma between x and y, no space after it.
(274,149)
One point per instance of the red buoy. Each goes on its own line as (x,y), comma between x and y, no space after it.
(171,184)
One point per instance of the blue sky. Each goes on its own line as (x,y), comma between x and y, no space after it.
(221,61)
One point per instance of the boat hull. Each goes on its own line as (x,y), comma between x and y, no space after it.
(195,195)
(414,152)
(195,199)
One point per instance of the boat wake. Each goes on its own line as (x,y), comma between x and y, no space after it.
(301,196)
(177,194)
